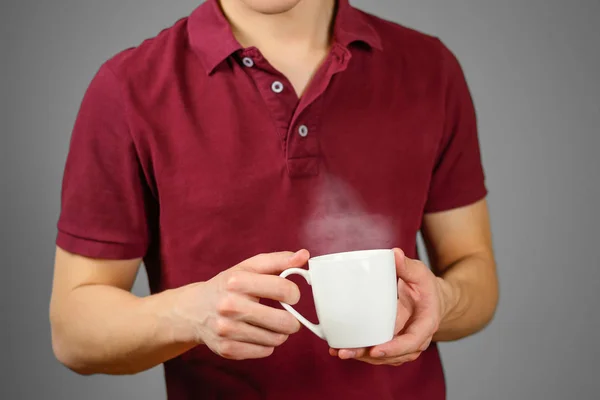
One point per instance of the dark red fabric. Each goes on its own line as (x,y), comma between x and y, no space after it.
(183,155)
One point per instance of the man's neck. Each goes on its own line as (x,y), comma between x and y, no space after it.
(303,29)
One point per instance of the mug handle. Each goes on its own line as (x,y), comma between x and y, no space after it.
(315,328)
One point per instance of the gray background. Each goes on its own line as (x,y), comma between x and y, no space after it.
(533,68)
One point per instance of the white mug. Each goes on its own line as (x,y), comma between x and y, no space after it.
(355,295)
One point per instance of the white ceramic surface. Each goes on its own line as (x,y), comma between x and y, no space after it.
(356,297)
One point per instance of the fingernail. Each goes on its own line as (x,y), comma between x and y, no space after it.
(380,354)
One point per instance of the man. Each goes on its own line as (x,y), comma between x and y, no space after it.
(207,151)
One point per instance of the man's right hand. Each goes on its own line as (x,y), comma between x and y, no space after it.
(224,313)
(99,326)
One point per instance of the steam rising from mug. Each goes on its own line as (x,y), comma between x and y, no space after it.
(339,222)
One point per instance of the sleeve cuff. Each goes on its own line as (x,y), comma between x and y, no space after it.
(459,199)
(99,249)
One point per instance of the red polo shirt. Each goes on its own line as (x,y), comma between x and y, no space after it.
(195,154)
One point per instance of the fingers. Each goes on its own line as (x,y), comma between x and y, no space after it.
(239,327)
(417,334)
(272,319)
(364,356)
(346,354)
(228,329)
(299,259)
(396,361)
(233,350)
(275,263)
(240,308)
(245,329)
(263,286)
(391,350)
(405,310)
(409,270)
(426,344)
(403,348)
(416,308)
(254,276)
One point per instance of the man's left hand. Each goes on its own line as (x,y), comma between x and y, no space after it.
(423,301)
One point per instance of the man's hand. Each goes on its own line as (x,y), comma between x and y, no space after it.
(225,314)
(459,300)
(99,326)
(423,300)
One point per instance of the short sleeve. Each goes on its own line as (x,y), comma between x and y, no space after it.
(103,206)
(458,177)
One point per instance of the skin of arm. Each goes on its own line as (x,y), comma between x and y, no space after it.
(98,326)
(459,245)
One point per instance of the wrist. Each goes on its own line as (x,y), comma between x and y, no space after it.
(173,322)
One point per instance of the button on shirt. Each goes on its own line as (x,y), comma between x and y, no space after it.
(248,62)
(194,153)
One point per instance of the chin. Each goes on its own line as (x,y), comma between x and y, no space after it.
(271,6)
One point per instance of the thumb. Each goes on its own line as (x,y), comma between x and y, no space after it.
(408,270)
(275,263)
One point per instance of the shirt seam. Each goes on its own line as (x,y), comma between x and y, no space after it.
(100,241)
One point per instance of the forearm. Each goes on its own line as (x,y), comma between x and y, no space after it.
(470,292)
(103,329)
